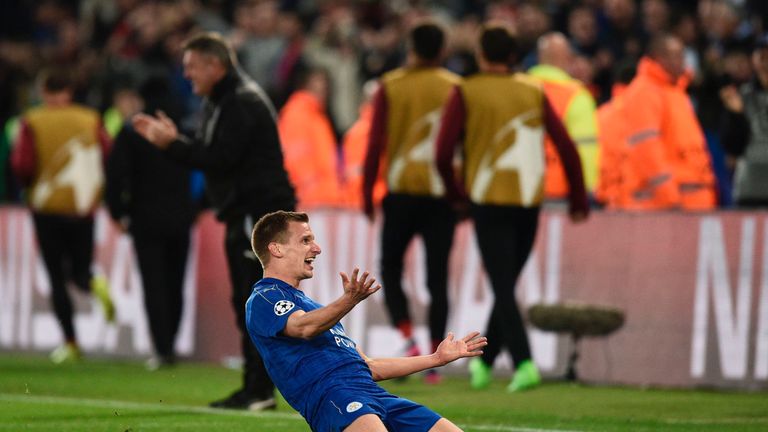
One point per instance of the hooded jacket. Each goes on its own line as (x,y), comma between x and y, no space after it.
(666,163)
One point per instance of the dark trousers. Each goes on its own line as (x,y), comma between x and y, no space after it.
(505,236)
(244,271)
(433,219)
(162,261)
(66,244)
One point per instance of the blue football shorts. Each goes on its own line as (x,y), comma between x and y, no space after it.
(342,405)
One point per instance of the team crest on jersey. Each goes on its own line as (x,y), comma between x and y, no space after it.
(283,307)
(354,406)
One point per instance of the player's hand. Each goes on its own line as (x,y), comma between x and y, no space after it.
(469,346)
(160,130)
(358,289)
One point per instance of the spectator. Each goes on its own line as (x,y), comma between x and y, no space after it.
(59,155)
(150,196)
(333,47)
(406,118)
(583,70)
(620,37)
(621,31)
(291,63)
(719,23)
(381,48)
(683,25)
(582,29)
(655,14)
(499,119)
(460,57)
(583,35)
(746,132)
(532,22)
(257,42)
(238,149)
(575,106)
(309,144)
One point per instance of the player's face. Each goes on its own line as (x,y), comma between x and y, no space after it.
(203,71)
(301,250)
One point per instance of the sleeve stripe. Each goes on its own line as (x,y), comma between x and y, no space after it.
(642,135)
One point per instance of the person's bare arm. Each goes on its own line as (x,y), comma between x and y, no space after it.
(449,350)
(306,325)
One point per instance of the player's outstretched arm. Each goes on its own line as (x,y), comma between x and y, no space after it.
(449,350)
(306,325)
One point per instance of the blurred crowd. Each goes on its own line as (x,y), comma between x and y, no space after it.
(114,47)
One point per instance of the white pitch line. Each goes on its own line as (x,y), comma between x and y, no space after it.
(726,420)
(105,403)
(502,428)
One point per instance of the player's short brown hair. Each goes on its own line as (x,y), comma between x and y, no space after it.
(273,227)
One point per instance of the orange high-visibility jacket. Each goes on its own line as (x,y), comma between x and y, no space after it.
(612,155)
(354,147)
(666,163)
(576,108)
(310,151)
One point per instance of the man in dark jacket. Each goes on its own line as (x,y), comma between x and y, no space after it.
(238,149)
(151,197)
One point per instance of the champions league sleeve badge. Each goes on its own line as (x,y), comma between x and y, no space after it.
(283,307)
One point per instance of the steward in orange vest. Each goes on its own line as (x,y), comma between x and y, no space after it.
(611,149)
(666,162)
(309,145)
(353,148)
(576,108)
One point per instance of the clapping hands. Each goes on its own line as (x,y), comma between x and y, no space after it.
(159,130)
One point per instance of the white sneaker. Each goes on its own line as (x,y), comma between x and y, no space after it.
(262,404)
(159,362)
(67,353)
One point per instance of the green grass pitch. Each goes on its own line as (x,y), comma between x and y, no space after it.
(121,396)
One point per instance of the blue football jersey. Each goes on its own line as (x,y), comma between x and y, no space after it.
(301,369)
